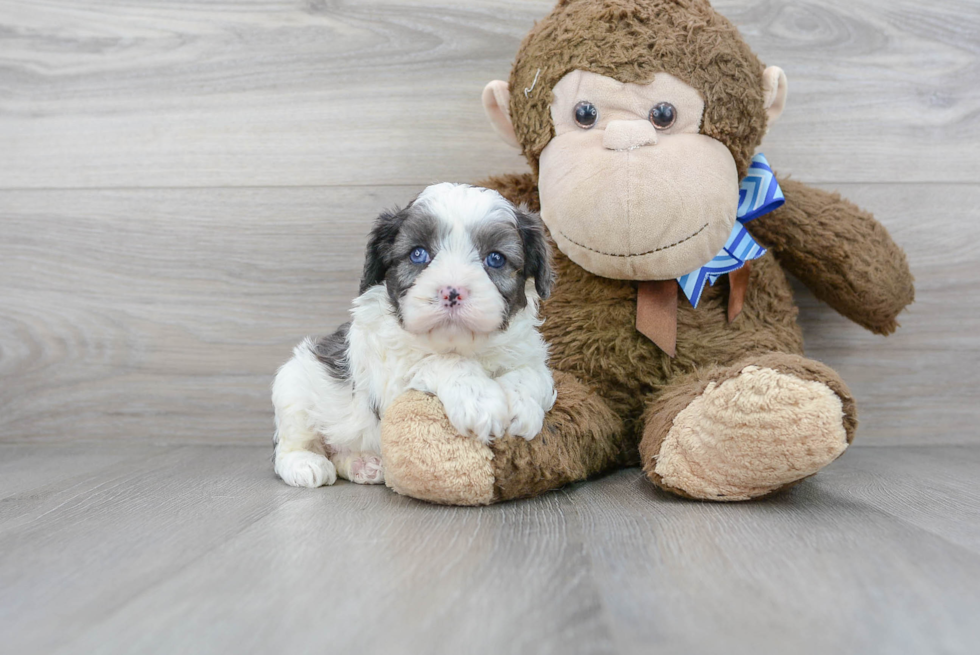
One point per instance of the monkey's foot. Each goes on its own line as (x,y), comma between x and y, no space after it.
(749,430)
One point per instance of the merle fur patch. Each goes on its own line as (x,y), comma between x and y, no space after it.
(537,252)
(393,238)
(331,351)
(524,246)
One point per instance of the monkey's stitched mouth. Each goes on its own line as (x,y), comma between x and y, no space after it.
(639,254)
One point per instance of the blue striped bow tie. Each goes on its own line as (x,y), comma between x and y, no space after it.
(758,194)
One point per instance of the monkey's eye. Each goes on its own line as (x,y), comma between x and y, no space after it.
(586,115)
(495,260)
(419,256)
(663,115)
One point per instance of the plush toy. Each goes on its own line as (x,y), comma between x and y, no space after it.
(672,327)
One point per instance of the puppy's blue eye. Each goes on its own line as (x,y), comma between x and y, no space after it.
(419,256)
(495,260)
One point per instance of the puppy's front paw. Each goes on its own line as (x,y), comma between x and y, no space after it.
(527,416)
(302,468)
(529,397)
(477,408)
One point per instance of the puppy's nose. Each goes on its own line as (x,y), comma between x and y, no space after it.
(452,296)
(627,135)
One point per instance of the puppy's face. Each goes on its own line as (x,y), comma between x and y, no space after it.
(457,260)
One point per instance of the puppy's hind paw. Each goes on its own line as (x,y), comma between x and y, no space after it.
(302,468)
(367,469)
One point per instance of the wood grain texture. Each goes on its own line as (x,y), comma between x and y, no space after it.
(126,93)
(164,314)
(161,315)
(804,572)
(201,549)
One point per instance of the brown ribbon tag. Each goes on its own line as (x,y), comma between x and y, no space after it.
(656,307)
(656,313)
(738,282)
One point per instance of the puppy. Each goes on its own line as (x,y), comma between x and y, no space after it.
(448,305)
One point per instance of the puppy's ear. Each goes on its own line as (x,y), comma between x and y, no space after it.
(537,252)
(377,257)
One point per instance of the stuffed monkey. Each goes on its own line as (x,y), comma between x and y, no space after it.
(672,327)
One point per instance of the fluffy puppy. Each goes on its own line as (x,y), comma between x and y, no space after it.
(447,305)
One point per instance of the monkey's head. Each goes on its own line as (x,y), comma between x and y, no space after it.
(638,118)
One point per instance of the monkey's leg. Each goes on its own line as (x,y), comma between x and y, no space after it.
(425,458)
(747,430)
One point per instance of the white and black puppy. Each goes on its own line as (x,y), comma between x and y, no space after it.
(448,305)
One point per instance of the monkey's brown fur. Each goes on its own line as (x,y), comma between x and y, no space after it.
(618,394)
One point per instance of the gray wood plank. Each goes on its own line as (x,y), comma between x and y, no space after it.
(253,563)
(20,472)
(81,548)
(161,315)
(130,94)
(200,549)
(931,488)
(815,570)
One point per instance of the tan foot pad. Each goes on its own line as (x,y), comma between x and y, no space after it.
(751,435)
(425,458)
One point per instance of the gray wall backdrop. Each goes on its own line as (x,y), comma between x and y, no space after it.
(185,189)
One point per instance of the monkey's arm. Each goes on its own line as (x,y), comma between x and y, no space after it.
(841,253)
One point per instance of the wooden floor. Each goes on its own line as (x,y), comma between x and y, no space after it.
(196,549)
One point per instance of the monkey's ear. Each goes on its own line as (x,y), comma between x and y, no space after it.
(496,102)
(775,86)
(382,238)
(537,252)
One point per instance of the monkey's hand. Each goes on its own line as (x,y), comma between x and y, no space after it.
(841,253)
